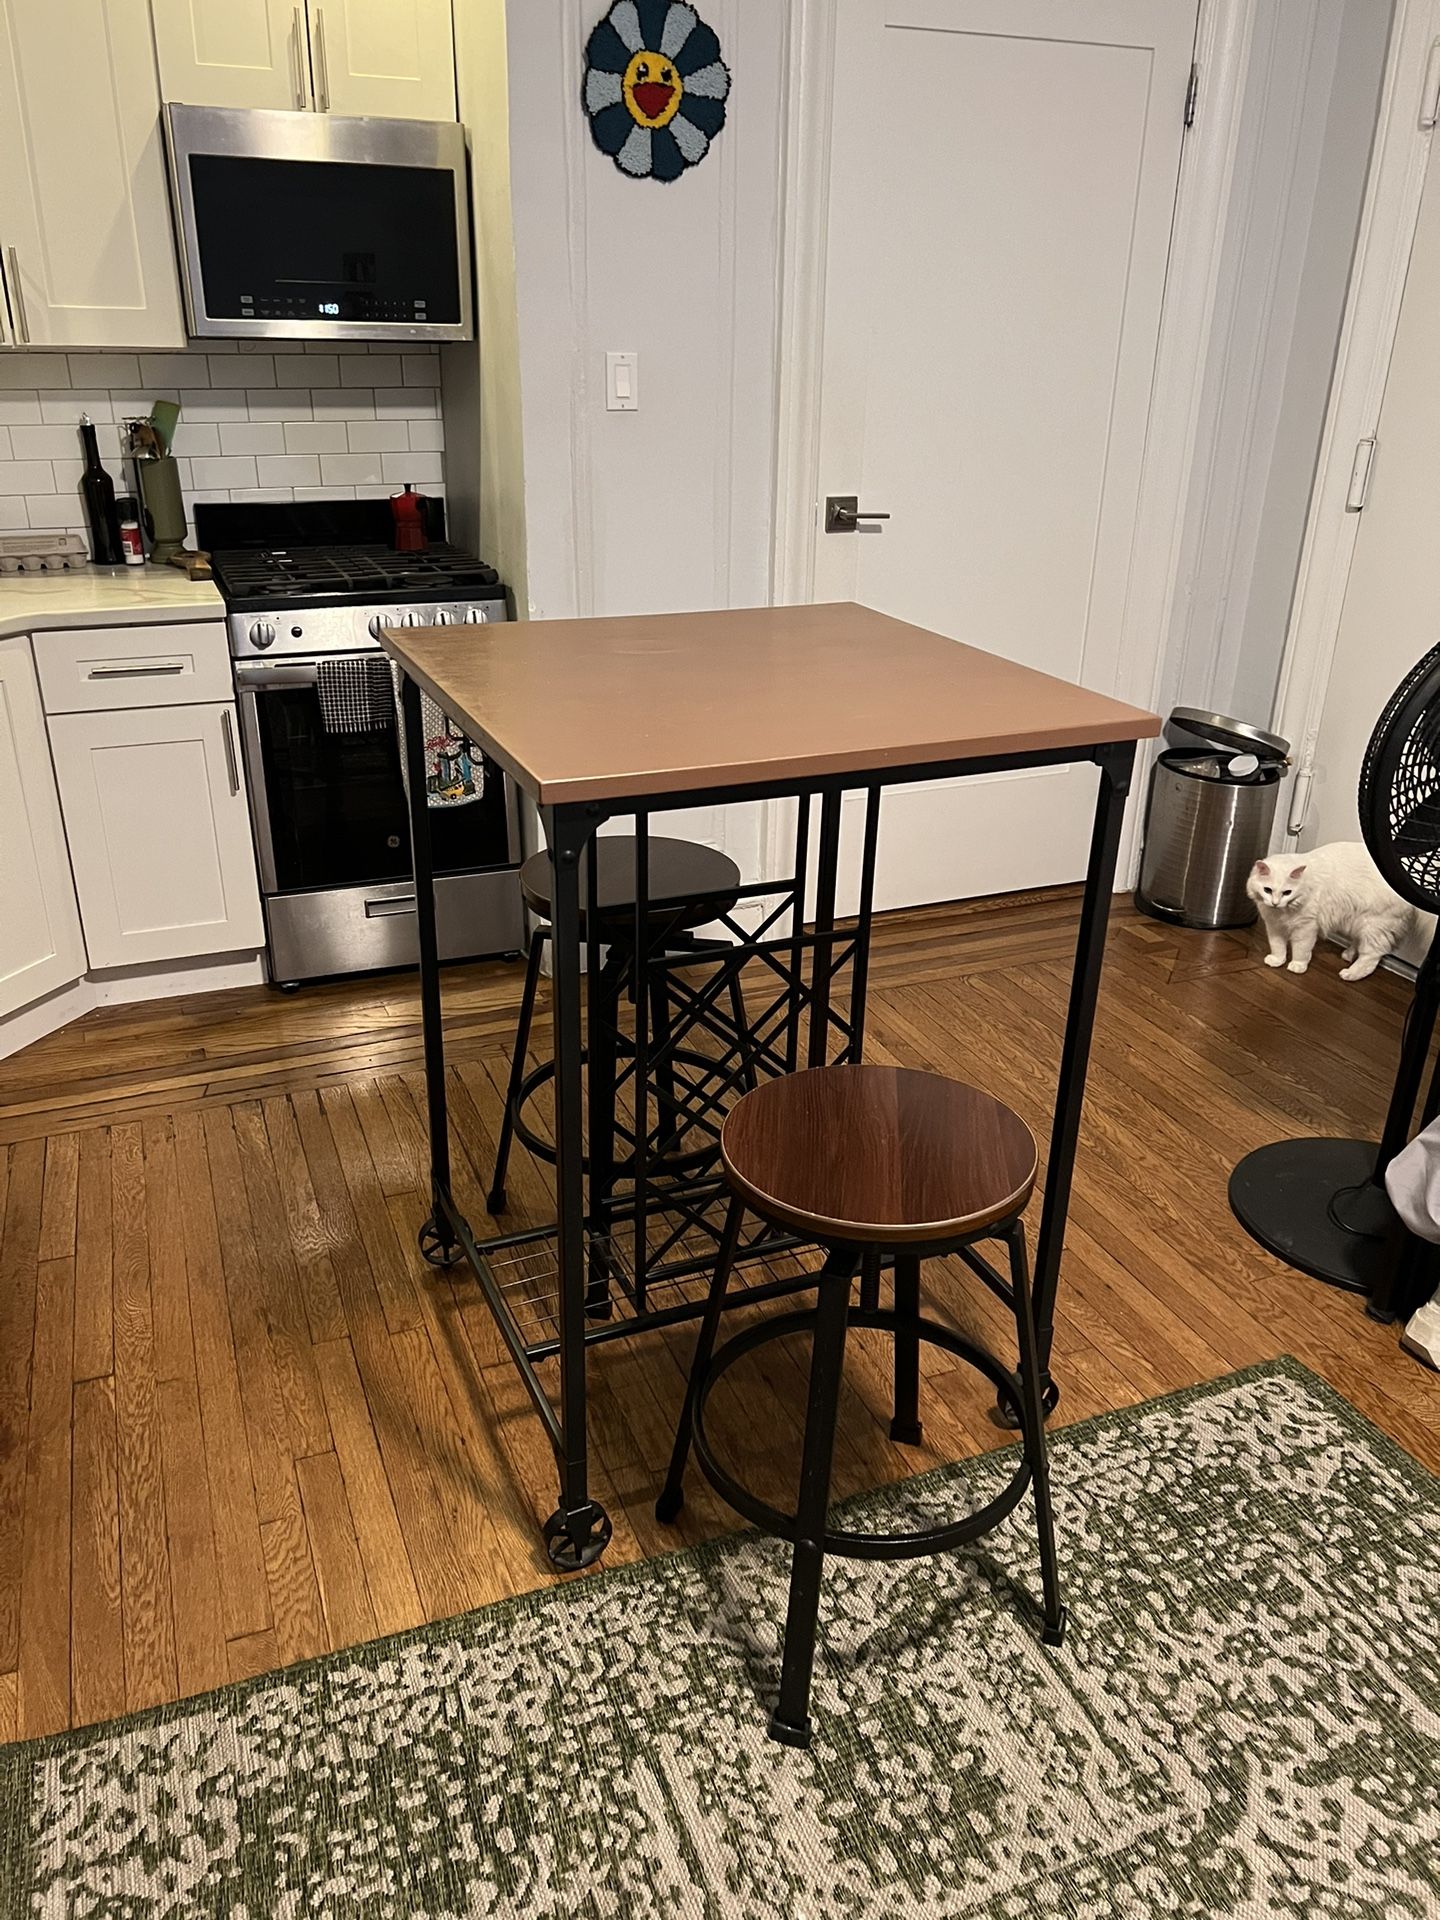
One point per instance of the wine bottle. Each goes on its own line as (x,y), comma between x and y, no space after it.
(98,491)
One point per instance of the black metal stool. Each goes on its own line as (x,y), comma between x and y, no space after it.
(870,1161)
(689,885)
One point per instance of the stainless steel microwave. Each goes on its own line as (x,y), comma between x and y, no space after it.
(310,226)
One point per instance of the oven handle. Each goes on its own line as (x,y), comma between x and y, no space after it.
(300,673)
(253,755)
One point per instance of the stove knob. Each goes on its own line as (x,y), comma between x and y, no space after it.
(377,624)
(475,616)
(411,619)
(444,618)
(262,634)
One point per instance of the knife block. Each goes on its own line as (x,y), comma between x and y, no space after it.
(164,507)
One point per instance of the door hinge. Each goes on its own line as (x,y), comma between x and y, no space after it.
(1430,92)
(1358,491)
(1192,94)
(1300,798)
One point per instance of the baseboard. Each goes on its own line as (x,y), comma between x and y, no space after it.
(121,986)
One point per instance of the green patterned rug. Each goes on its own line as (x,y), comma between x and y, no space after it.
(1244,1721)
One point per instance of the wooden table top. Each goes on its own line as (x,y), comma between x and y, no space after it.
(667,704)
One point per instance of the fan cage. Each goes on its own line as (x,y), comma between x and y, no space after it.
(1400,787)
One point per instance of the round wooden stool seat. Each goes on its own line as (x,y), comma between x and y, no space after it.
(689,884)
(883,1156)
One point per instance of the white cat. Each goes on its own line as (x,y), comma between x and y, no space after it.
(1334,893)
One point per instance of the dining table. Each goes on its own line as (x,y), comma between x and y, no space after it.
(624,718)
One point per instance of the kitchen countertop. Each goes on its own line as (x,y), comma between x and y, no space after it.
(103,597)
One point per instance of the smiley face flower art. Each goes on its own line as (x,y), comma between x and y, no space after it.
(655,87)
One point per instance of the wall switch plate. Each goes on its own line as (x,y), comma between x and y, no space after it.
(622,383)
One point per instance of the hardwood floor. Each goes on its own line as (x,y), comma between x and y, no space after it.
(241,1422)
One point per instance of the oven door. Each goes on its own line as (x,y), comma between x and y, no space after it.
(315,226)
(329,808)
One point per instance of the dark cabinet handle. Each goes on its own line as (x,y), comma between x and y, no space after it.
(843,515)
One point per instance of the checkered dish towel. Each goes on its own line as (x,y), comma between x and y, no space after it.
(454,765)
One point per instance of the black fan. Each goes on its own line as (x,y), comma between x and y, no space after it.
(1321,1204)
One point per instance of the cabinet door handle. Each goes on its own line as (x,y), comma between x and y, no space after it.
(322,61)
(232,765)
(297,58)
(17,294)
(135,673)
(394,909)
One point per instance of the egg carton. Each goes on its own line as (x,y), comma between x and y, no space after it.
(42,552)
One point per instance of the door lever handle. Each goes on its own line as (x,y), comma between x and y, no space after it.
(843,515)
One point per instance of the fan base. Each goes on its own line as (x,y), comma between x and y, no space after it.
(1284,1196)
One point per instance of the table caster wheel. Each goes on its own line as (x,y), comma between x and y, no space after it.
(576,1541)
(1006,1414)
(437,1242)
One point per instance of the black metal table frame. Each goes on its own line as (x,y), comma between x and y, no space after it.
(579,1530)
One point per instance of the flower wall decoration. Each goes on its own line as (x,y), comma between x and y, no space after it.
(655,87)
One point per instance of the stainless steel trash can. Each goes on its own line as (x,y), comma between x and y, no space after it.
(1208,820)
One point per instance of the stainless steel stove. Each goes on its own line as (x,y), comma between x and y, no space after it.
(308,587)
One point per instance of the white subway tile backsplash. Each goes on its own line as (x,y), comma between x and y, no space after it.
(343,403)
(174,369)
(55,510)
(62,407)
(307,370)
(258,422)
(374,370)
(285,403)
(378,436)
(103,370)
(406,403)
(244,370)
(34,370)
(228,471)
(421,468)
(199,436)
(289,470)
(348,469)
(252,436)
(28,476)
(197,404)
(45,443)
(316,436)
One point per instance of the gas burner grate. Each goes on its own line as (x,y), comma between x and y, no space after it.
(379,572)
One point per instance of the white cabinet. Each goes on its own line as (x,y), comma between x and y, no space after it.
(159,832)
(85,243)
(391,58)
(40,944)
(232,53)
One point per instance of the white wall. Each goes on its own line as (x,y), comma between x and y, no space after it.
(669,508)
(1309,119)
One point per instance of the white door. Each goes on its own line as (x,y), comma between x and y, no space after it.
(1002,190)
(85,239)
(233,53)
(40,944)
(390,57)
(159,833)
(1392,601)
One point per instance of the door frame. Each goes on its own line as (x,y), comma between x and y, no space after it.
(1225,38)
(1399,159)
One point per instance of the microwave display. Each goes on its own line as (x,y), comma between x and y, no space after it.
(298,240)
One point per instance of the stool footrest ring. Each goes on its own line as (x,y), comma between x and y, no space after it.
(848,1544)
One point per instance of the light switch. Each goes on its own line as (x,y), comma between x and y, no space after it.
(622,382)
